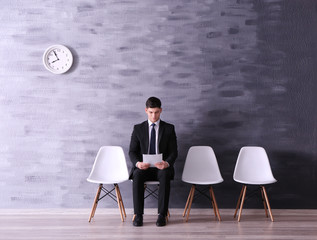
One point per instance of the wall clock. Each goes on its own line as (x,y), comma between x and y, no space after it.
(57,59)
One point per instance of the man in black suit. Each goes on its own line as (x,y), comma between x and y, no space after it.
(153,136)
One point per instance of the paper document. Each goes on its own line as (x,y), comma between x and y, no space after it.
(152,158)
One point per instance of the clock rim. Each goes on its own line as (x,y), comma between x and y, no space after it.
(48,50)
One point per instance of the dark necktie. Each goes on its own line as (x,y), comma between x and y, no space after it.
(152,141)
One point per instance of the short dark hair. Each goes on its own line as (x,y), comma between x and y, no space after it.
(153,102)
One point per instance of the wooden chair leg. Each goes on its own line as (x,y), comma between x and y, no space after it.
(168,215)
(264,202)
(267,203)
(214,203)
(190,202)
(238,203)
(118,200)
(242,201)
(94,206)
(125,214)
(121,202)
(187,202)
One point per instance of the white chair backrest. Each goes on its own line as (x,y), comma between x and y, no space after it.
(110,166)
(253,167)
(201,166)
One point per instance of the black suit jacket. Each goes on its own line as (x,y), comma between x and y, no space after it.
(167,144)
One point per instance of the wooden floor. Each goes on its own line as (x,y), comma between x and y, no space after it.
(73,224)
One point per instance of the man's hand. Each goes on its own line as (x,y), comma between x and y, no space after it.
(143,166)
(162,165)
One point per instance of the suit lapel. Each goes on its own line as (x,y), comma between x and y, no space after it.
(146,132)
(161,130)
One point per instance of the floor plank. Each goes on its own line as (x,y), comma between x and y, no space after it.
(49,224)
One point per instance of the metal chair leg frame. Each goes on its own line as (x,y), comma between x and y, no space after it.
(117,197)
(265,200)
(190,201)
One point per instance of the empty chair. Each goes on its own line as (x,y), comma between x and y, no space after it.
(253,168)
(201,168)
(110,167)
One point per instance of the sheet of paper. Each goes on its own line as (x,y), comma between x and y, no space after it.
(152,158)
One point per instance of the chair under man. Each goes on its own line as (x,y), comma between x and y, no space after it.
(253,168)
(152,192)
(110,168)
(201,168)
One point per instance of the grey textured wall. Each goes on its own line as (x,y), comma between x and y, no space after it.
(229,74)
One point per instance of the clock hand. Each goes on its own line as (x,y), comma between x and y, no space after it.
(55,60)
(55,56)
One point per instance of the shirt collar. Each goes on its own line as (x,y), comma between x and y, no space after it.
(157,123)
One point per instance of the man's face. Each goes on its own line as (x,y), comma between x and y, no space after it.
(153,114)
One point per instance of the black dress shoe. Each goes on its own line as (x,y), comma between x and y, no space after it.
(138,220)
(161,220)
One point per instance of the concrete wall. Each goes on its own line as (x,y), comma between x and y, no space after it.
(229,74)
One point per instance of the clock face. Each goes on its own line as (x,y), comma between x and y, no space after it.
(58,59)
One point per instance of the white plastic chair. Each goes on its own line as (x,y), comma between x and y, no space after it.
(201,168)
(110,167)
(253,168)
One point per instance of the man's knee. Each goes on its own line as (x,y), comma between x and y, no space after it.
(138,175)
(165,174)
(137,172)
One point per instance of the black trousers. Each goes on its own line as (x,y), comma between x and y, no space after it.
(151,174)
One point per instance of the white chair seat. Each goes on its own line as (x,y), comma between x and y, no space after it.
(256,182)
(201,168)
(253,168)
(202,182)
(152,182)
(104,181)
(110,167)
